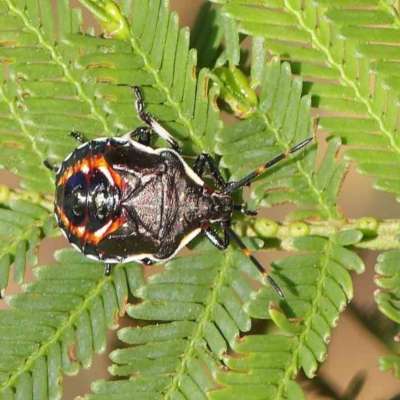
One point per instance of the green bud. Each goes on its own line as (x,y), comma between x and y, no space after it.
(114,24)
(297,229)
(294,327)
(4,194)
(266,228)
(30,195)
(368,226)
(235,90)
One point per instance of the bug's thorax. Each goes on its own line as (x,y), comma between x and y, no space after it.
(221,207)
(208,206)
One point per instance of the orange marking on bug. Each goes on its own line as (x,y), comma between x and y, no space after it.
(81,231)
(246,252)
(88,163)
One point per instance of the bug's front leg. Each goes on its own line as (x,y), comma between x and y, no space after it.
(205,160)
(216,240)
(49,166)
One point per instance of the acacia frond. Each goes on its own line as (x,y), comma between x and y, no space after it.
(279,121)
(348,58)
(388,299)
(23,224)
(59,322)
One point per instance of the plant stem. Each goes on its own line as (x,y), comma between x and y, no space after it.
(384,237)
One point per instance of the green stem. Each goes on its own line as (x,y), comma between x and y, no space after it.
(292,369)
(385,237)
(198,336)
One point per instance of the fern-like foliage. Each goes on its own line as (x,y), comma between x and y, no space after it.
(345,52)
(193,319)
(58,323)
(388,298)
(281,120)
(23,223)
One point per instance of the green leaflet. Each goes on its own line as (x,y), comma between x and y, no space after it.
(23,224)
(348,46)
(388,299)
(282,120)
(59,79)
(200,296)
(317,287)
(60,321)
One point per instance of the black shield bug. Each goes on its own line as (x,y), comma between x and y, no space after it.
(119,200)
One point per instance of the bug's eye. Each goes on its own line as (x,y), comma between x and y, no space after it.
(75,198)
(100,205)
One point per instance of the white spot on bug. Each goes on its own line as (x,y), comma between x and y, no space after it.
(75,246)
(102,230)
(142,147)
(68,156)
(92,257)
(106,173)
(81,146)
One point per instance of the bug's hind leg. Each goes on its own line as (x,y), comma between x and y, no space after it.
(147,261)
(107,269)
(149,120)
(247,253)
(77,136)
(49,166)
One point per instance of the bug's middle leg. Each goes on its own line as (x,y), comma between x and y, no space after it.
(143,133)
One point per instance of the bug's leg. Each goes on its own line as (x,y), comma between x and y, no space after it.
(147,261)
(216,240)
(246,252)
(205,160)
(149,120)
(143,133)
(49,166)
(233,186)
(242,208)
(77,136)
(107,269)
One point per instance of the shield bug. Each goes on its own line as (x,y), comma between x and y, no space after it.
(119,200)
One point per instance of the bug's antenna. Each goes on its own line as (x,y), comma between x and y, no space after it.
(233,186)
(246,252)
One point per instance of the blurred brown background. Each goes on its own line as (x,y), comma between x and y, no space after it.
(352,349)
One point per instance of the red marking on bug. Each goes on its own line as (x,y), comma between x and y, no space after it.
(81,231)
(207,189)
